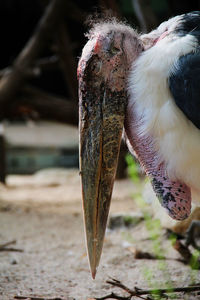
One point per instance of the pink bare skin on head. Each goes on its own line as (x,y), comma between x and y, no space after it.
(113,46)
(174,196)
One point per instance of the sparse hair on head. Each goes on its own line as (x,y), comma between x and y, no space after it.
(106,22)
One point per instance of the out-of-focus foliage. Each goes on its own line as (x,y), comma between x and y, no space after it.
(132,167)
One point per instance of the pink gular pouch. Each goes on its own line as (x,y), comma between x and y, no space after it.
(174,196)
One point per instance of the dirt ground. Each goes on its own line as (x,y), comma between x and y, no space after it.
(43,213)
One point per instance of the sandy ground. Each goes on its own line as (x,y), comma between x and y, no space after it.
(43,213)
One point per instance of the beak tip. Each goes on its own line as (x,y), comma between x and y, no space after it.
(94,274)
(93,270)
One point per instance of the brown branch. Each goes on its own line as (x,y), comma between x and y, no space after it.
(12,81)
(11,250)
(7,244)
(35,298)
(3,247)
(114,296)
(47,105)
(68,63)
(183,251)
(42,64)
(47,63)
(115,282)
(138,254)
(188,257)
(139,292)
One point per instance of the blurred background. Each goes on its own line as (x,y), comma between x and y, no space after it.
(42,246)
(40,49)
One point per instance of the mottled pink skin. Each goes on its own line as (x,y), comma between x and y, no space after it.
(174,196)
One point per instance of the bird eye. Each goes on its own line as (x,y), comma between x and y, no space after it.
(114,50)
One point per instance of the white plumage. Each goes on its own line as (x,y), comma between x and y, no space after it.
(177,139)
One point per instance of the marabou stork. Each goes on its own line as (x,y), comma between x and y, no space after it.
(150,85)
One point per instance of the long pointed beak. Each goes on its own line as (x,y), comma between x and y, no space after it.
(102,71)
(100,144)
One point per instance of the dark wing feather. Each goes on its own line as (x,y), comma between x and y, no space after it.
(184,85)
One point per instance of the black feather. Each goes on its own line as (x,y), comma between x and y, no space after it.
(184,85)
(190,23)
